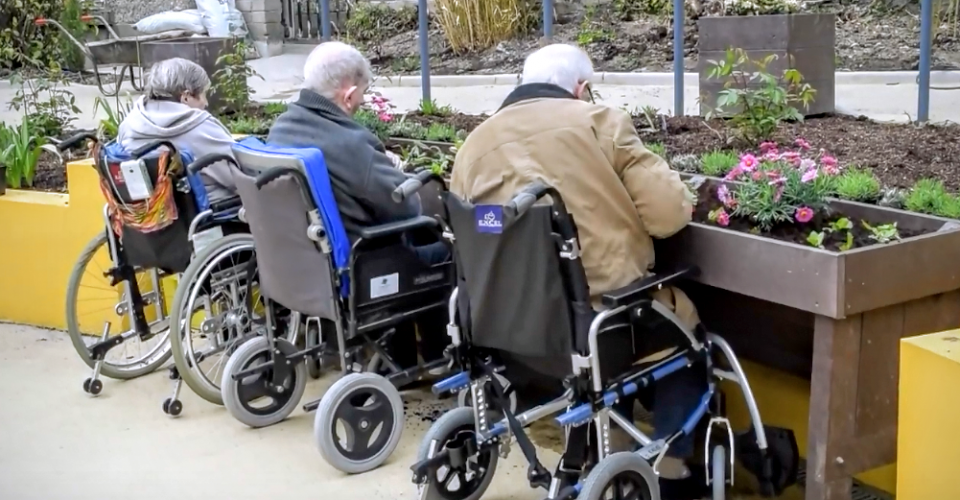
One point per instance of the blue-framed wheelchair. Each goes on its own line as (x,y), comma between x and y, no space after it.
(157,217)
(349,300)
(522,300)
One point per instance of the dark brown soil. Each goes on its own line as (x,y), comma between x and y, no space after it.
(459,121)
(796,232)
(898,154)
(51,175)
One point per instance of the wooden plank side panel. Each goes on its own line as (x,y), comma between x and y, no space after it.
(877,387)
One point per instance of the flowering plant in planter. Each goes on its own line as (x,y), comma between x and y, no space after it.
(777,186)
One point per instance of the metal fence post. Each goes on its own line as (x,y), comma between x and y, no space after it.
(678,86)
(325,20)
(424,50)
(547,19)
(923,84)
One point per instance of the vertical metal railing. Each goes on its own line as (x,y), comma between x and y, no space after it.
(678,86)
(309,19)
(923,82)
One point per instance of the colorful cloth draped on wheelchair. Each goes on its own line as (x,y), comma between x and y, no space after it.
(160,209)
(315,170)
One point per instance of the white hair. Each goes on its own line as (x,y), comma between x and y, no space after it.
(560,64)
(331,66)
(174,77)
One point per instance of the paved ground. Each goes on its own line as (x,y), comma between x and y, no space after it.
(58,443)
(283,77)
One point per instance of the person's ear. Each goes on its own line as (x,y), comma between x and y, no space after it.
(581,89)
(184,97)
(349,94)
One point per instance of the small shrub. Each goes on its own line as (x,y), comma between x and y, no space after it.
(230,81)
(409,130)
(686,163)
(369,119)
(431,108)
(45,102)
(927,196)
(858,185)
(657,149)
(441,132)
(249,125)
(72,56)
(718,163)
(19,152)
(274,109)
(473,25)
(757,111)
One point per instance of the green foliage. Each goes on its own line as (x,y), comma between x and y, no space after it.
(760,7)
(230,81)
(109,126)
(369,119)
(370,25)
(929,196)
(441,132)
(631,10)
(657,149)
(431,108)
(249,125)
(22,43)
(45,102)
(409,130)
(436,159)
(757,100)
(883,233)
(718,163)
(591,32)
(19,152)
(774,192)
(858,185)
(72,56)
(274,109)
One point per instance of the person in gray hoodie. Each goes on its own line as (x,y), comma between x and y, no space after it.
(174,108)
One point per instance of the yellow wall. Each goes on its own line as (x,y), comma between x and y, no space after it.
(41,236)
(784,401)
(928,439)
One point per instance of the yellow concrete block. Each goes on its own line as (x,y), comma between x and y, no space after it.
(928,438)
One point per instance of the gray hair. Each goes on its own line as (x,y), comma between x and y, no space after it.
(174,77)
(332,66)
(560,64)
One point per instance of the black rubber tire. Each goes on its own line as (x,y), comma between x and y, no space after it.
(441,431)
(614,465)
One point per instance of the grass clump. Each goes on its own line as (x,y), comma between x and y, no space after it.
(718,163)
(857,184)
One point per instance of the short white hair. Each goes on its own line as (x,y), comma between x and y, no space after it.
(560,64)
(331,66)
(174,77)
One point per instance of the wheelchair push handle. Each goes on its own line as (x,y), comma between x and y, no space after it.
(76,139)
(207,160)
(527,197)
(413,184)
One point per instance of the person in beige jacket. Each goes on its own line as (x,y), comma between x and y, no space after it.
(620,194)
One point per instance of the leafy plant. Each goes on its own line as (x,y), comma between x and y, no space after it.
(70,19)
(109,126)
(756,100)
(22,43)
(45,102)
(19,152)
(429,107)
(858,185)
(434,158)
(657,149)
(441,132)
(686,163)
(929,196)
(883,233)
(590,32)
(718,163)
(250,125)
(842,225)
(230,81)
(274,109)
(368,118)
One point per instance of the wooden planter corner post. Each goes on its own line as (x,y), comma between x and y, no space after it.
(804,42)
(833,318)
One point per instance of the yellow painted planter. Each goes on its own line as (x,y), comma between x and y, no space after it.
(928,438)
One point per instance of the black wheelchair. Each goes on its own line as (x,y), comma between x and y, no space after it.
(522,300)
(349,301)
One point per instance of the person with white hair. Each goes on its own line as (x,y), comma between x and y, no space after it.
(620,194)
(173,108)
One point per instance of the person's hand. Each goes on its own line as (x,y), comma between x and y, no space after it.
(397,161)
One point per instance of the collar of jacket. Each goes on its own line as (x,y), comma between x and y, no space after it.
(535,91)
(316,102)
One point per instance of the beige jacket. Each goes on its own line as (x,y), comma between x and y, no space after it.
(620,194)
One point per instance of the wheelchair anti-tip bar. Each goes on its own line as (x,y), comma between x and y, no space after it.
(414,183)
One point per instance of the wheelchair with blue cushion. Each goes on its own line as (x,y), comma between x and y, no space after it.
(347,300)
(522,297)
(157,217)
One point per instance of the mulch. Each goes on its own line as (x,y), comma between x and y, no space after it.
(51,175)
(899,154)
(459,121)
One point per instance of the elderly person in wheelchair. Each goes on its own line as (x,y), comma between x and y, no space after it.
(173,108)
(620,194)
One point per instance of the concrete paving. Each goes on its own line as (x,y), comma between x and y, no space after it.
(58,443)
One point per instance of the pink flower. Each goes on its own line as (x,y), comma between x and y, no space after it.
(768,146)
(719,216)
(830,165)
(772,155)
(757,176)
(723,194)
(384,116)
(748,162)
(803,215)
(733,174)
(802,143)
(791,157)
(807,164)
(809,175)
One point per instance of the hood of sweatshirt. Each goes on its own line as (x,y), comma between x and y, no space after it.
(153,119)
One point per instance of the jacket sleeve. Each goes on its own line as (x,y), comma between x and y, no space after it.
(662,199)
(382,178)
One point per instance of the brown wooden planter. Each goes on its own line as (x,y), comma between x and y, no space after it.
(833,318)
(801,41)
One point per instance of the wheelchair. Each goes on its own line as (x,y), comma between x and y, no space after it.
(535,307)
(348,302)
(156,217)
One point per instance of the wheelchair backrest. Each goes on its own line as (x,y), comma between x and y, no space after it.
(293,270)
(510,280)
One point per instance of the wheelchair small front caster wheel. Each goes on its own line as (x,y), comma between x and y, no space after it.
(172,407)
(468,480)
(92,387)
(621,472)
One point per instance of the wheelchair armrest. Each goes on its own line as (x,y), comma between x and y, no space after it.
(398,227)
(226,204)
(636,291)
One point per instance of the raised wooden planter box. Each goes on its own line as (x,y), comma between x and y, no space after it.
(801,41)
(833,318)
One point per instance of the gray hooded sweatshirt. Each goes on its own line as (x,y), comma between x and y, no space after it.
(194,130)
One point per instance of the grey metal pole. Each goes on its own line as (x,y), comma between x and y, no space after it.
(424,51)
(926,33)
(547,19)
(325,20)
(678,57)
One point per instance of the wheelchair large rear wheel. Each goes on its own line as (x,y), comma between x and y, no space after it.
(254,400)
(621,476)
(468,481)
(359,422)
(92,301)
(212,313)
